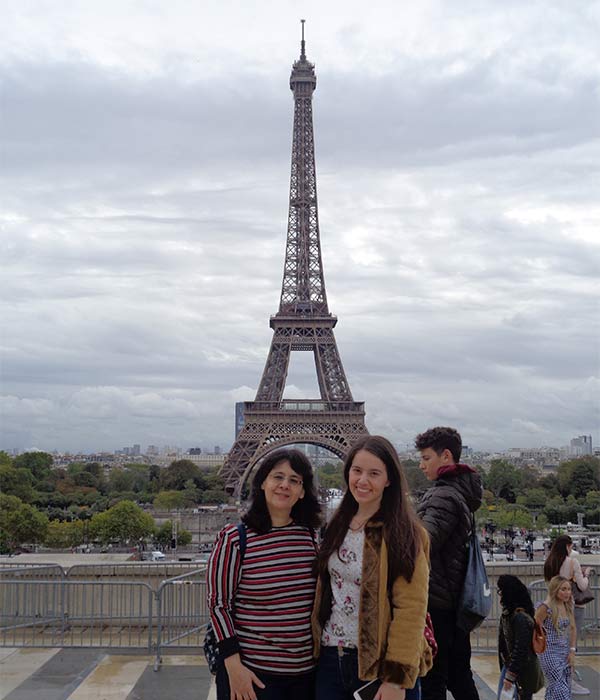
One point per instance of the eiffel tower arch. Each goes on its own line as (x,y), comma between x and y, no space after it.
(303,323)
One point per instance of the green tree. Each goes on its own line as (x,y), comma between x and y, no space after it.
(165,531)
(180,471)
(578,476)
(20,524)
(124,521)
(38,463)
(536,498)
(503,479)
(120,480)
(16,482)
(169,500)
(61,535)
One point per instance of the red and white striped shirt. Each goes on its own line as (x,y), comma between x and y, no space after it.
(268,622)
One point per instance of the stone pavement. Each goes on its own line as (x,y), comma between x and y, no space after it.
(97,674)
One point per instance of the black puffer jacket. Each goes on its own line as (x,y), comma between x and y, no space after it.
(445,511)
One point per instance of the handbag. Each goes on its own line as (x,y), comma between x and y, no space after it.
(579,597)
(475,600)
(210,644)
(539,640)
(430,635)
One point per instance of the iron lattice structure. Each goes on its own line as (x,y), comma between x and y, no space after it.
(303,323)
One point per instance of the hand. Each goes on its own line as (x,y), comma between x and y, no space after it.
(390,691)
(571,659)
(241,679)
(507,685)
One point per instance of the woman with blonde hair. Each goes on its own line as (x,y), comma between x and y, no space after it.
(555,614)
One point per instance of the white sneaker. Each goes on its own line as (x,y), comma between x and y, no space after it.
(577,689)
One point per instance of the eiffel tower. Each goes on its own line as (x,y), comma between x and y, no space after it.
(303,323)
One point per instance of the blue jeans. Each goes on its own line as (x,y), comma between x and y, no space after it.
(337,676)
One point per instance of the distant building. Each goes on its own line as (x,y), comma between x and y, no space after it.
(581,446)
(239,417)
(195,450)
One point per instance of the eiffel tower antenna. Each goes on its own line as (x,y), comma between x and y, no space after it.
(303,323)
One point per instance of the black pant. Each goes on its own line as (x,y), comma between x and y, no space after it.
(452,666)
(277,687)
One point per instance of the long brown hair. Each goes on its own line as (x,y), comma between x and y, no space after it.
(558,553)
(401,529)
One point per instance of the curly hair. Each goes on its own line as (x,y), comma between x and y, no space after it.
(558,553)
(514,594)
(306,511)
(440,439)
(402,530)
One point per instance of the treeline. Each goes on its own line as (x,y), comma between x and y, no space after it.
(515,495)
(61,507)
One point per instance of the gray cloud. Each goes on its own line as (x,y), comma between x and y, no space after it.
(144,218)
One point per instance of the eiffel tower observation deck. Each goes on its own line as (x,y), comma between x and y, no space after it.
(302,324)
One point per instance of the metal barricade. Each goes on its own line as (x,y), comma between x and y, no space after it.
(182,612)
(32,571)
(51,613)
(588,637)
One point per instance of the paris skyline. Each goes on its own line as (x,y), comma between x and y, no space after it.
(146,173)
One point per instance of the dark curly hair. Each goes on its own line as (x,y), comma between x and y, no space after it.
(440,439)
(514,594)
(306,511)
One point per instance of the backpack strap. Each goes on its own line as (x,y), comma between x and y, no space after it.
(241,528)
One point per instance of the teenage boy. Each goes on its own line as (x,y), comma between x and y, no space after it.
(445,510)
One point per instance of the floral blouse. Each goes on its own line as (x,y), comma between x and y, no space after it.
(345,570)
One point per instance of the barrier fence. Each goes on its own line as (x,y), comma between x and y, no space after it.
(48,607)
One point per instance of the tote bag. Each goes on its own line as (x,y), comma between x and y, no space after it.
(475,601)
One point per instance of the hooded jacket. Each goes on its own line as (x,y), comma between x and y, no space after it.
(445,511)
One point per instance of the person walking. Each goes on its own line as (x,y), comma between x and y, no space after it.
(561,562)
(446,511)
(260,603)
(556,616)
(371,599)
(520,672)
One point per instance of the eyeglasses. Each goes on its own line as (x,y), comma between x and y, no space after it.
(293,481)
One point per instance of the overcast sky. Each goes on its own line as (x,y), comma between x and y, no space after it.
(144,194)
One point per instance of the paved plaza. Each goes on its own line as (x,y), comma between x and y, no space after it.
(96,674)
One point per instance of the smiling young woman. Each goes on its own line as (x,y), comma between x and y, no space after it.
(371,598)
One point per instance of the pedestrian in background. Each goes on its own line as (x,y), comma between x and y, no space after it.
(556,616)
(260,603)
(561,562)
(371,600)
(520,672)
(446,511)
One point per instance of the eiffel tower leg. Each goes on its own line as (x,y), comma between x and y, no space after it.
(330,372)
(272,383)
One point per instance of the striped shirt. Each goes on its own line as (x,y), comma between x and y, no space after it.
(263,610)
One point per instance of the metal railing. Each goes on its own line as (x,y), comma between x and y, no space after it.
(53,608)
(48,607)
(485,638)
(182,613)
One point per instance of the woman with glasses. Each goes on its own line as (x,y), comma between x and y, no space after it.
(520,672)
(371,600)
(260,593)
